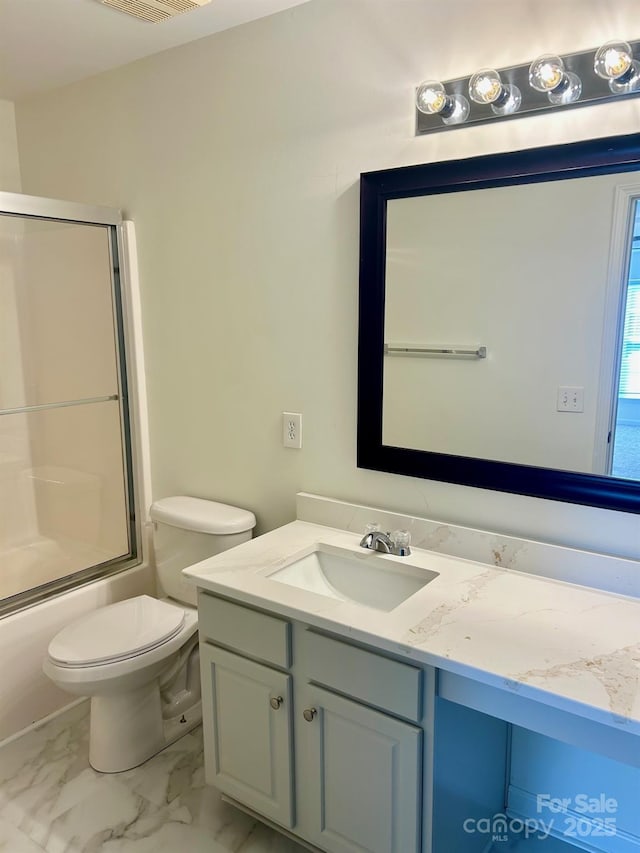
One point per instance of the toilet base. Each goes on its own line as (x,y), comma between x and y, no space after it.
(127,729)
(177,726)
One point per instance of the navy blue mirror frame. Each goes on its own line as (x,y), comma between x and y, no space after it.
(573,160)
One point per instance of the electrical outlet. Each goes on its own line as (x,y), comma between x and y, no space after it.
(292,430)
(570,398)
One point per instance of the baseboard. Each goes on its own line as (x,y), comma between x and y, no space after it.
(38,723)
(577,830)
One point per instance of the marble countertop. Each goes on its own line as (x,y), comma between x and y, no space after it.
(569,646)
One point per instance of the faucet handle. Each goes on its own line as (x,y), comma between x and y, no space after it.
(401,542)
(372,527)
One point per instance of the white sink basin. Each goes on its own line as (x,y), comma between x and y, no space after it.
(366,578)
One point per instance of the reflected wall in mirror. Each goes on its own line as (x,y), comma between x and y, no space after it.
(531,256)
(522,270)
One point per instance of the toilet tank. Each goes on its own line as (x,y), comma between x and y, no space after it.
(187,530)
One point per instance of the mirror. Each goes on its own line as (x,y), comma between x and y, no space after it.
(493,350)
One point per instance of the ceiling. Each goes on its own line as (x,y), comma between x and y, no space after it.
(49,43)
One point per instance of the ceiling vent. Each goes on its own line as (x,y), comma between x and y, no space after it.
(155,10)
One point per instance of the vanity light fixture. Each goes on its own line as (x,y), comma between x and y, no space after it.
(597,75)
(547,74)
(486,87)
(614,62)
(432,99)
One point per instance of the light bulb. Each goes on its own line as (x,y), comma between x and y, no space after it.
(486,87)
(614,62)
(432,99)
(547,74)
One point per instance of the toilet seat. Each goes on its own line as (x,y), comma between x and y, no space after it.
(114,674)
(117,632)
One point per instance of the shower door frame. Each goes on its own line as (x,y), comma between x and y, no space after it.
(131,384)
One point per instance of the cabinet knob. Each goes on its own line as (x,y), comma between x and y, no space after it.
(275,702)
(309,714)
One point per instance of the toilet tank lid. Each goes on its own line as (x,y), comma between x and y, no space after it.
(202,516)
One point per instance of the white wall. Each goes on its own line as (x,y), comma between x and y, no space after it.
(238,156)
(9,161)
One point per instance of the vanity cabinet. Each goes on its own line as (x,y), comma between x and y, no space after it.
(360,771)
(352,749)
(320,736)
(247,733)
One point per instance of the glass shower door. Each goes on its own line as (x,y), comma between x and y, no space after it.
(65,482)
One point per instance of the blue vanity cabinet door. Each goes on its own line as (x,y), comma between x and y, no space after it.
(360,774)
(247,732)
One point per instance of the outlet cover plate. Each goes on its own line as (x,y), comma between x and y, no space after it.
(292,430)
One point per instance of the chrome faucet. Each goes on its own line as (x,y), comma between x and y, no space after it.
(396,543)
(376,540)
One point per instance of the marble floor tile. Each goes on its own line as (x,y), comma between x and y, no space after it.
(14,841)
(52,800)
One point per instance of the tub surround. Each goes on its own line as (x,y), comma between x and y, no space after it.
(569,647)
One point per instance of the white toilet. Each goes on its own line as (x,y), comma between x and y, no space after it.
(138,659)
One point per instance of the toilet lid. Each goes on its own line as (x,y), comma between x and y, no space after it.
(117,631)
